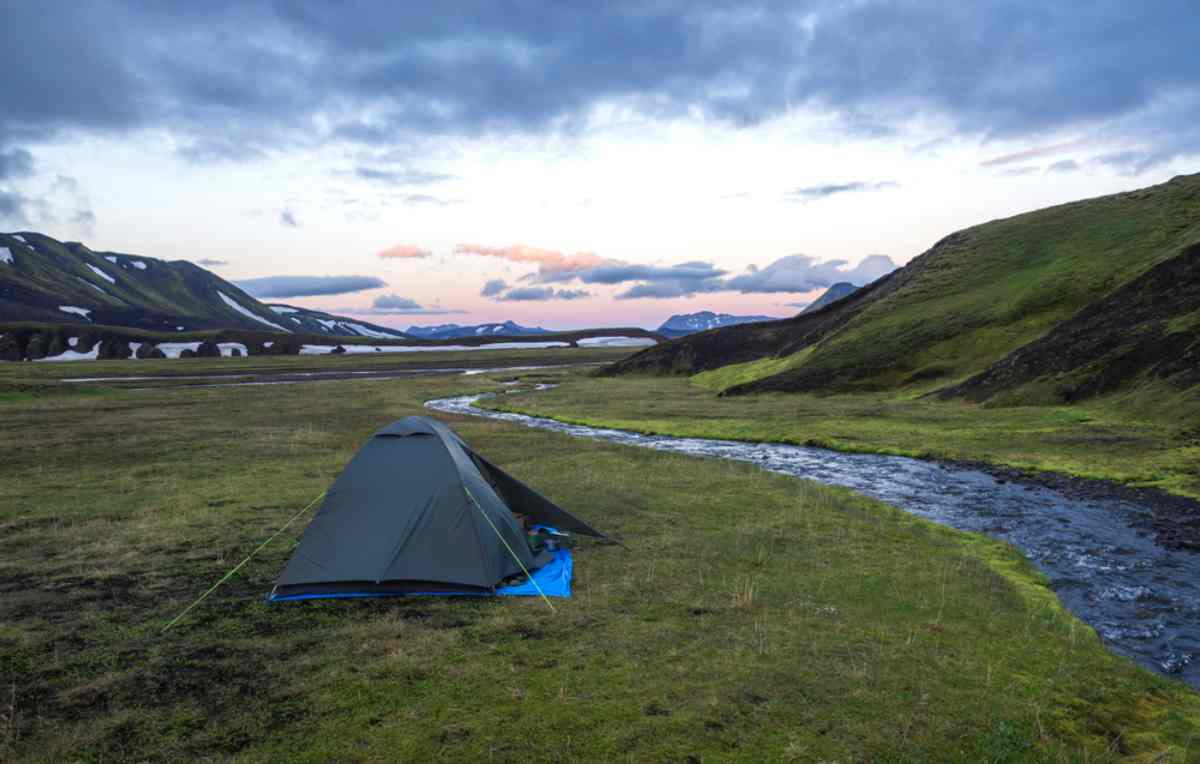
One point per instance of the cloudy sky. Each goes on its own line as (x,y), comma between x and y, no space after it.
(572,164)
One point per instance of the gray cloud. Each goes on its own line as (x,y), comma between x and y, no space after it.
(427,199)
(218,150)
(795,273)
(308,286)
(539,294)
(85,219)
(493,288)
(813,193)
(288,219)
(1066,165)
(665,290)
(395,305)
(803,273)
(395,302)
(12,207)
(386,74)
(621,272)
(407,177)
(210,263)
(15,163)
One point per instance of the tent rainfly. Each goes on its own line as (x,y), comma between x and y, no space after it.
(416,511)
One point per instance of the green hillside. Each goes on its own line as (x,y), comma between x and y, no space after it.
(42,279)
(971,300)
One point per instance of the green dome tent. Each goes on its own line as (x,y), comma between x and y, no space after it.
(416,511)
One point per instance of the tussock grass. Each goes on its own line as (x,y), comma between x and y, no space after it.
(748,617)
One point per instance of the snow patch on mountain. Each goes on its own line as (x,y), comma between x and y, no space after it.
(102,274)
(238,307)
(6,256)
(77,311)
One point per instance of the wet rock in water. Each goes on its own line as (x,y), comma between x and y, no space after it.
(337,350)
(1174,663)
(114,350)
(208,349)
(150,350)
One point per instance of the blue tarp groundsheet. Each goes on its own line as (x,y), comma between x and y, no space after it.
(554,578)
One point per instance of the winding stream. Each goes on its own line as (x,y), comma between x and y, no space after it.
(1105,566)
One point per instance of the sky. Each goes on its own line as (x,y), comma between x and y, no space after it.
(571,164)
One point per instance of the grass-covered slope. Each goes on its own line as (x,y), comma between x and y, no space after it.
(1150,327)
(749,616)
(968,302)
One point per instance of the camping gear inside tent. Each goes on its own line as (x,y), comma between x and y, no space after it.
(417,511)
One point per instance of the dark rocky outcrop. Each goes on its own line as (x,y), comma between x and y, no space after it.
(111,349)
(10,348)
(150,350)
(208,349)
(338,350)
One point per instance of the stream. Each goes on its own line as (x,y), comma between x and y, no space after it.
(1099,554)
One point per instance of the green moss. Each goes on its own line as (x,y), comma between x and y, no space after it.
(740,373)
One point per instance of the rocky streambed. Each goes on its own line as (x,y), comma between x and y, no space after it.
(1100,550)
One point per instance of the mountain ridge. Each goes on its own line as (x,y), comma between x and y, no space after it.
(453,331)
(682,324)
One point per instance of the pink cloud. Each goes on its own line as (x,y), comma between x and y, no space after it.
(405,251)
(549,262)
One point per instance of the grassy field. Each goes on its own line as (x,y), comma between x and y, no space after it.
(748,617)
(1127,439)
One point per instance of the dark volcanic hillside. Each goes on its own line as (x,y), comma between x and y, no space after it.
(45,280)
(1150,326)
(974,298)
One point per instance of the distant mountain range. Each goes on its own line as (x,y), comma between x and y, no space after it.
(832,294)
(690,323)
(44,280)
(455,331)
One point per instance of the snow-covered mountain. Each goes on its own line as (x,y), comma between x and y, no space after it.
(690,323)
(452,331)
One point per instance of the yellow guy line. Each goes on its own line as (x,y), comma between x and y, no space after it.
(504,541)
(229,575)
